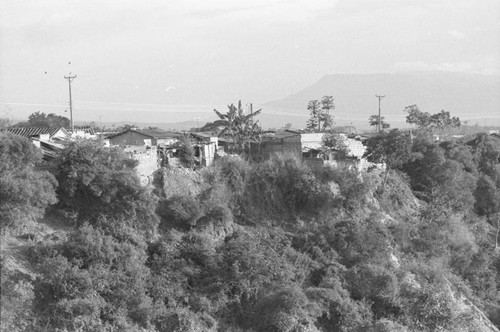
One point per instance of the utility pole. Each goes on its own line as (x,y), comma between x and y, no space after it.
(197,118)
(70,79)
(379,99)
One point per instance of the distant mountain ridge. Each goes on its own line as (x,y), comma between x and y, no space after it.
(472,97)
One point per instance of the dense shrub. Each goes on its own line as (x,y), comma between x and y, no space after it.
(186,151)
(25,193)
(353,189)
(225,184)
(337,310)
(375,283)
(216,220)
(487,196)
(16,299)
(228,259)
(358,241)
(94,282)
(97,181)
(285,310)
(181,211)
(284,186)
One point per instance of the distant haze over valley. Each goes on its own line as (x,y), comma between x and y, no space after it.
(472,97)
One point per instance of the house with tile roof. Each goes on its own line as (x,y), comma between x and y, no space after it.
(50,140)
(40,133)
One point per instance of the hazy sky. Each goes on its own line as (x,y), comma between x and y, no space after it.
(145,55)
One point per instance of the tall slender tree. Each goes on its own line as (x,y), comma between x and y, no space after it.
(327,105)
(314,109)
(319,111)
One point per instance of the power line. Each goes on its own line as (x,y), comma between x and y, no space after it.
(30,104)
(145,105)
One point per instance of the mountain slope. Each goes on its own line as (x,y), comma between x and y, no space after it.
(472,97)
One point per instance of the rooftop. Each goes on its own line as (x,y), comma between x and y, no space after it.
(153,133)
(35,131)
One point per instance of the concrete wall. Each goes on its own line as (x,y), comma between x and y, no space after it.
(208,154)
(281,146)
(166,141)
(311,141)
(357,149)
(82,134)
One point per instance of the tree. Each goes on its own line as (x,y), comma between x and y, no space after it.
(486,151)
(320,119)
(4,123)
(6,113)
(40,119)
(443,120)
(186,151)
(25,192)
(424,120)
(417,117)
(213,126)
(487,196)
(96,182)
(374,122)
(334,142)
(126,127)
(314,110)
(241,127)
(327,105)
(392,149)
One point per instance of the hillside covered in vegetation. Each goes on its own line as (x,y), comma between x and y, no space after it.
(242,246)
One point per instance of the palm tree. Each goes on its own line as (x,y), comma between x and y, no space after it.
(240,127)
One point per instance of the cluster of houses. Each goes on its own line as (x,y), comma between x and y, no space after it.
(155,148)
(208,146)
(51,139)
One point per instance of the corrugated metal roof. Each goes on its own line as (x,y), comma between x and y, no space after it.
(35,131)
(153,133)
(157,133)
(271,135)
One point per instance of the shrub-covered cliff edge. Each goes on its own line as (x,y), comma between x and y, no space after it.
(241,246)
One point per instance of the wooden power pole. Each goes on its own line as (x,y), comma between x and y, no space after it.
(379,99)
(70,79)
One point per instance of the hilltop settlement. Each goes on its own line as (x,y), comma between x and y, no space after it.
(230,227)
